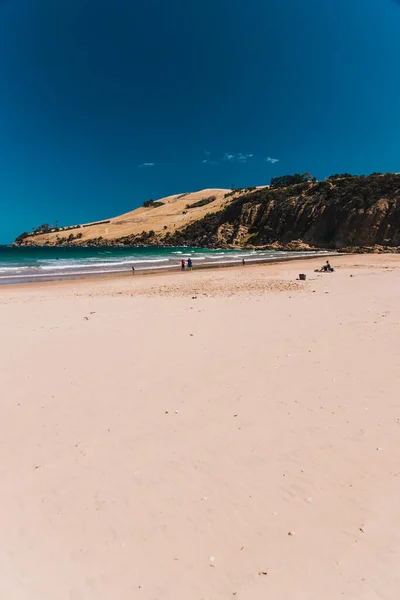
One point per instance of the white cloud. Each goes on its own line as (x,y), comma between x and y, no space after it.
(143,165)
(272,160)
(238,157)
(208,162)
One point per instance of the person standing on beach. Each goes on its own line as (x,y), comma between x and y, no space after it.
(183,264)
(190,264)
(243,263)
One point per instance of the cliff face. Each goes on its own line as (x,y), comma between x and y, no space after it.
(349,212)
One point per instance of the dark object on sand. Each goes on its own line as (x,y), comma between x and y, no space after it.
(302,276)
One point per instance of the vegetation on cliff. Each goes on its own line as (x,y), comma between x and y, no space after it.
(202,202)
(287,180)
(96,223)
(347,211)
(152,204)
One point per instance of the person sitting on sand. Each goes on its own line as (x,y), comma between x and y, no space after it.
(327,268)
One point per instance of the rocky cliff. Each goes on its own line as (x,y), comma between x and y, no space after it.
(343,212)
(340,213)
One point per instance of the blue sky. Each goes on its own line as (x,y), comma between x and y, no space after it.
(203,92)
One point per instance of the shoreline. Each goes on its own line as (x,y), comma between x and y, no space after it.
(38,280)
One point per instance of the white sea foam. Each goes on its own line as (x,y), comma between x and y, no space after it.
(89,265)
(74,267)
(16,268)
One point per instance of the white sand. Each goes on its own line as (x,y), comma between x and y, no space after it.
(160,447)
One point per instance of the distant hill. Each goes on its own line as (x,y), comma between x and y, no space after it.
(151,223)
(343,212)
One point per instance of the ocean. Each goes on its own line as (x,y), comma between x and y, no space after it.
(28,264)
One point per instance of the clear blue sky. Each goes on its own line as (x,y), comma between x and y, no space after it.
(91,89)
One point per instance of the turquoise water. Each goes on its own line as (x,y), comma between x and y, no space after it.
(20,264)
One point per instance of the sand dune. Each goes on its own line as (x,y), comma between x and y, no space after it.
(163,445)
(172,216)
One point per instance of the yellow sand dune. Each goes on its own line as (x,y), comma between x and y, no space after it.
(170,217)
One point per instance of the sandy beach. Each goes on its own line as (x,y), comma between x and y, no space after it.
(227,433)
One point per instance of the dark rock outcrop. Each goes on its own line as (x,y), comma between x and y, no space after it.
(348,212)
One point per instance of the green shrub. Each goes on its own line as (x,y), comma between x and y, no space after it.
(202,202)
(152,204)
